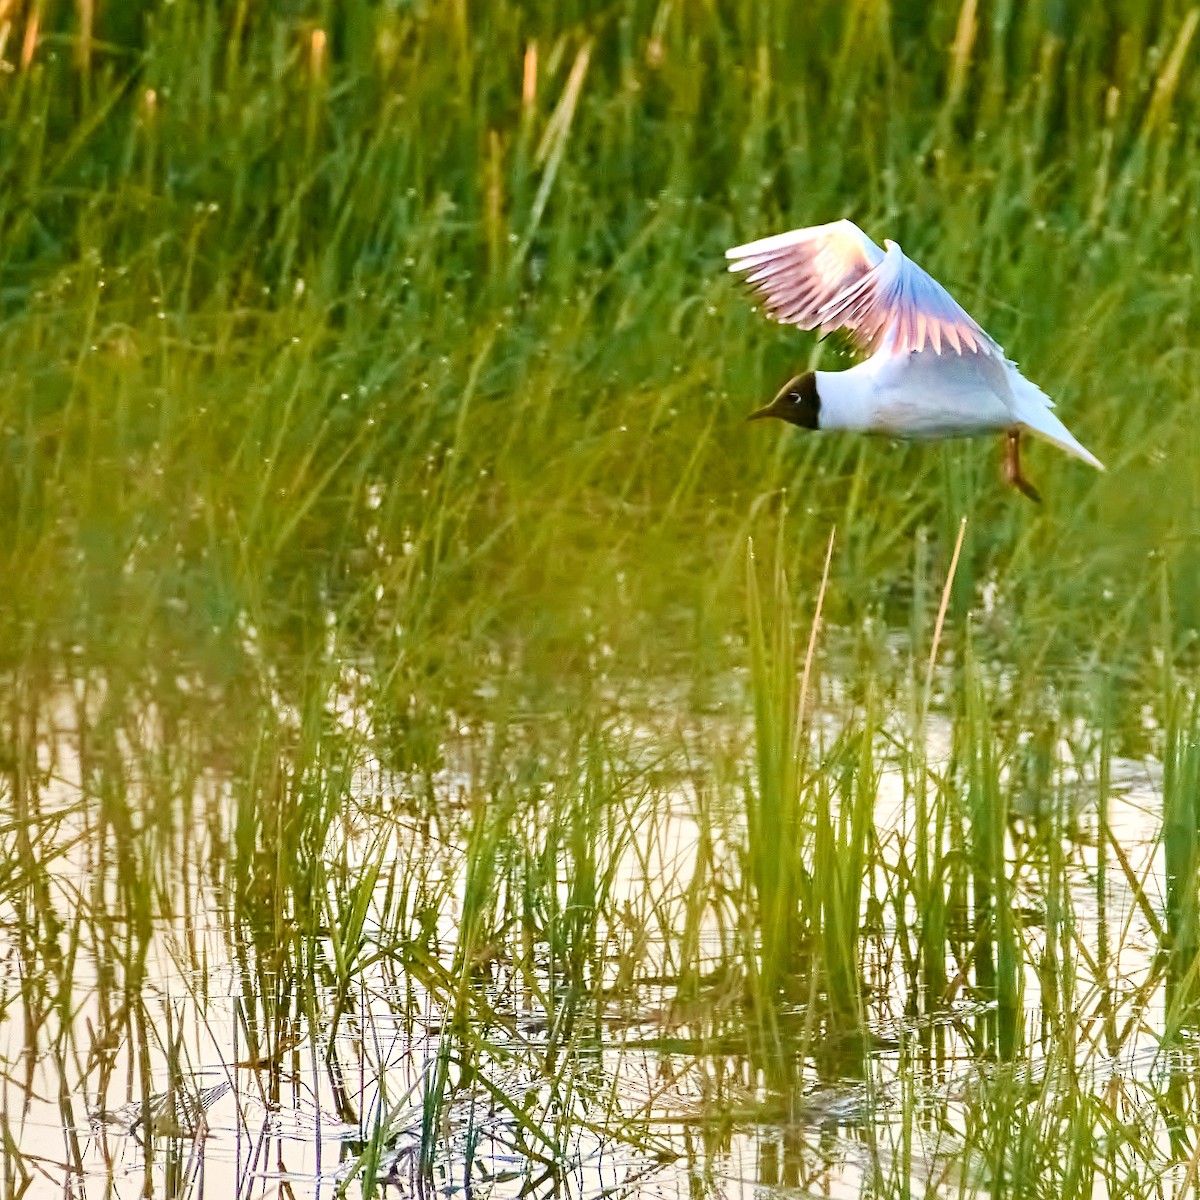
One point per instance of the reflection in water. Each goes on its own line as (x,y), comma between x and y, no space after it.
(331,975)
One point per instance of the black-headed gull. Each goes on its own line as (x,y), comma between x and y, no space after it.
(932,371)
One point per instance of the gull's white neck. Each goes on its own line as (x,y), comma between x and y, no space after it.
(849,399)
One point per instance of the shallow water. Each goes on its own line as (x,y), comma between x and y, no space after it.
(633,1078)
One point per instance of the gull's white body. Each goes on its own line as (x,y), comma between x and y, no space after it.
(923,394)
(933,372)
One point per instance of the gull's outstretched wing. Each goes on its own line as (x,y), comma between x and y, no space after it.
(835,277)
(897,297)
(797,274)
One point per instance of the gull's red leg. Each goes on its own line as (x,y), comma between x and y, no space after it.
(1012,467)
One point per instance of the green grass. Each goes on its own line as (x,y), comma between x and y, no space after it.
(391,705)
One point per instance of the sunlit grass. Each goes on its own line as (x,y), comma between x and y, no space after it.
(394,722)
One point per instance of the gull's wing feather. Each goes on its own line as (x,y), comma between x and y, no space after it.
(799,273)
(835,277)
(898,298)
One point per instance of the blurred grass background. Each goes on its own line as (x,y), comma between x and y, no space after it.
(411,319)
(371,383)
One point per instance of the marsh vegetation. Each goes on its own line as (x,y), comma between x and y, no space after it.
(443,747)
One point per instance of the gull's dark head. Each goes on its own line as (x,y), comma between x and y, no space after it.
(797,402)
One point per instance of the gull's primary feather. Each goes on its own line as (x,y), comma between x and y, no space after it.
(835,277)
(800,273)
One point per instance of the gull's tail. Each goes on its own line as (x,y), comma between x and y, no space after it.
(1035,411)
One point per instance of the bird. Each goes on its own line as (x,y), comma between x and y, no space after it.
(930,371)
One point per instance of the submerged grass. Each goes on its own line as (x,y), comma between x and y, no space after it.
(394,730)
